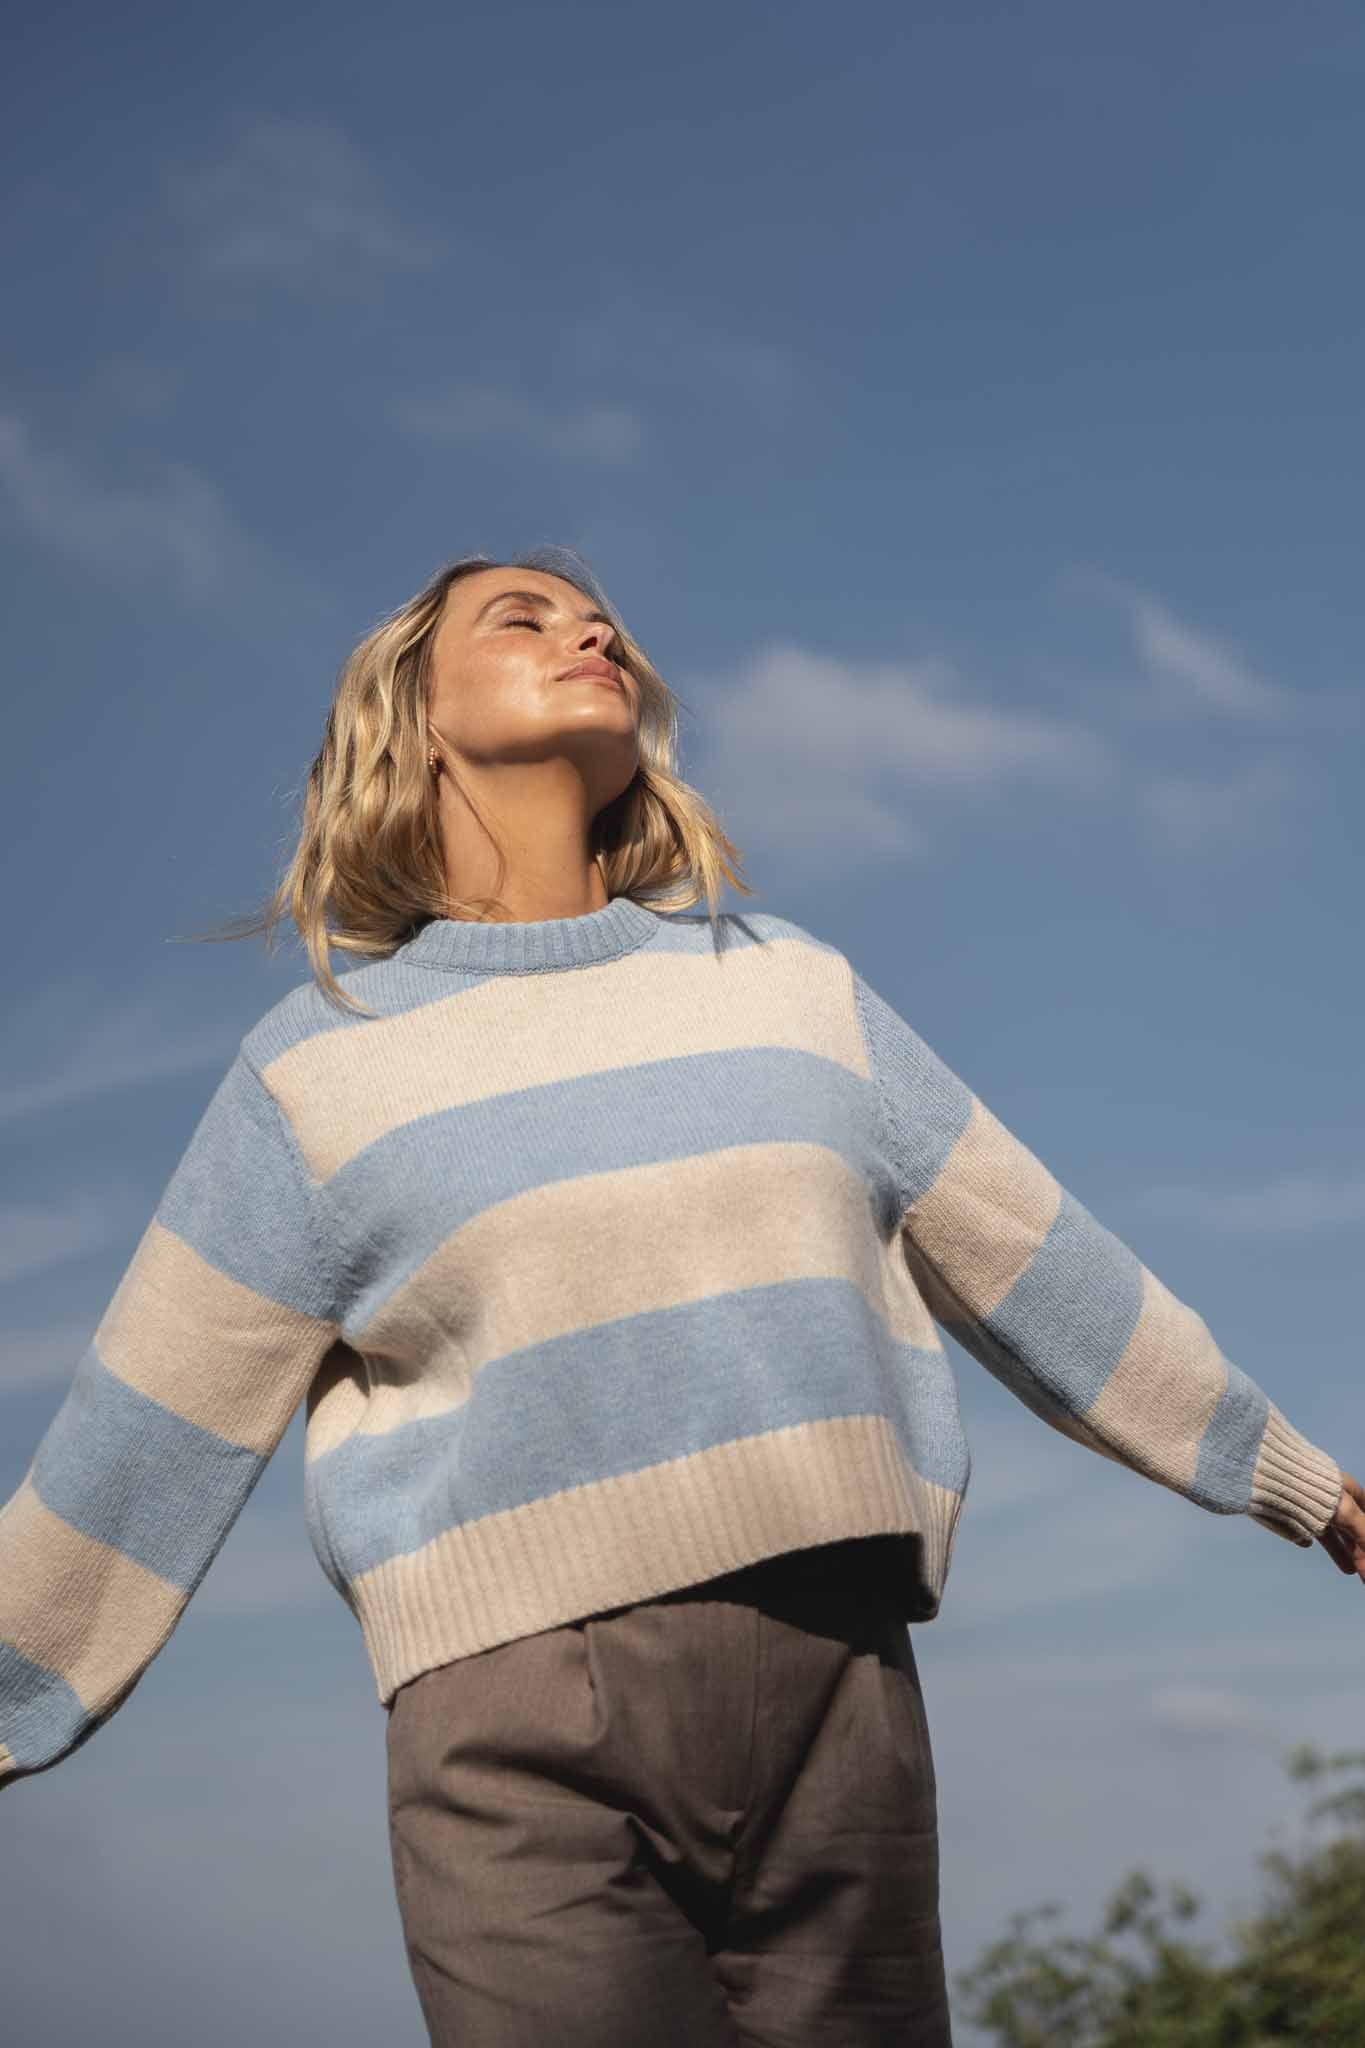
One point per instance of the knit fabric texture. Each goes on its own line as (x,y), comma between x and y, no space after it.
(609,1254)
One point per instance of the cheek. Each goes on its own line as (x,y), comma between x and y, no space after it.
(490,696)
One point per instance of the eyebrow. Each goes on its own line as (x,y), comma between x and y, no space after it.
(534,597)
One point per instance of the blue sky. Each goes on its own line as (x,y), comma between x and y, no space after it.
(963,407)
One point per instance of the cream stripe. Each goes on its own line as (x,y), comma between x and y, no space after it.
(344,1089)
(644,1533)
(78,1607)
(214,1352)
(571,1255)
(989,1209)
(1164,1389)
(981,1224)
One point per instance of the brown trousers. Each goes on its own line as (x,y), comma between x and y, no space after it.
(708,1820)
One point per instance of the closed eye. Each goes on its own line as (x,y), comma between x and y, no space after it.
(527,621)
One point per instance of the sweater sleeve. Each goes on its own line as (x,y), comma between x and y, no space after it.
(1062,1313)
(202,1356)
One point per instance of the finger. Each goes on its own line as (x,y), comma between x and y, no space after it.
(1341,1553)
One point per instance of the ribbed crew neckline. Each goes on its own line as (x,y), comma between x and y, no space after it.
(536,947)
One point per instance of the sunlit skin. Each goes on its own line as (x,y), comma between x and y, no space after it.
(1344,1537)
(541,753)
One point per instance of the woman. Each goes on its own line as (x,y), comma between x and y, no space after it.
(607,1245)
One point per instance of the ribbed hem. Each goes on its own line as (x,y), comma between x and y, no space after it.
(536,947)
(593,1548)
(1296,1485)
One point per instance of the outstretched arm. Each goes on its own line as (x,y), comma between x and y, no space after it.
(201,1358)
(1070,1320)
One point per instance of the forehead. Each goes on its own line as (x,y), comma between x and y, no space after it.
(467,597)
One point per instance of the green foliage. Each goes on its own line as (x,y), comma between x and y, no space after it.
(1296,1973)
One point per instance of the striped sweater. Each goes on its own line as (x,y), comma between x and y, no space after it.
(606,1259)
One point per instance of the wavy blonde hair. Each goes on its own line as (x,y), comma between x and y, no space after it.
(366,871)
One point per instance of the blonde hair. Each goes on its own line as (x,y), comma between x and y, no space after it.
(366,871)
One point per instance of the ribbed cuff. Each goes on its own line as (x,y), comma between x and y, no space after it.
(1296,1485)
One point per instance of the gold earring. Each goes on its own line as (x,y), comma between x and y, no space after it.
(432,762)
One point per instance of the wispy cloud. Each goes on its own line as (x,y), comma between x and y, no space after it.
(37,1236)
(45,1357)
(595,432)
(1190,666)
(1251,1653)
(1198,1710)
(138,385)
(665,348)
(1198,662)
(846,750)
(101,1045)
(1191,813)
(1101,1533)
(266,1566)
(171,526)
(1292,1204)
(293,202)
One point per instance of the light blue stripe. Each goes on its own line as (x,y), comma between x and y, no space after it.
(987,1350)
(42,1717)
(1056,1337)
(124,1470)
(387,987)
(626,1395)
(404,1195)
(242,1199)
(925,1105)
(1231,1441)
(1072,1312)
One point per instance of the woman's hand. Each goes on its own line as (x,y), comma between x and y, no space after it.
(1344,1537)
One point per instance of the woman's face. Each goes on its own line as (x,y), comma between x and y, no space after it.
(503,690)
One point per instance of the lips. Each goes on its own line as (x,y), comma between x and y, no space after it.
(599,671)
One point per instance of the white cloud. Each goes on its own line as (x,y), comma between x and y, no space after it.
(666,348)
(827,758)
(603,432)
(1189,813)
(1249,1654)
(1198,1710)
(1291,1205)
(1106,1533)
(1198,662)
(266,1565)
(138,385)
(1046,1521)
(293,202)
(36,1236)
(170,525)
(34,1358)
(1017,1461)
(117,1042)
(1190,667)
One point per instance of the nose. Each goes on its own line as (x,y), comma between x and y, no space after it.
(595,637)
